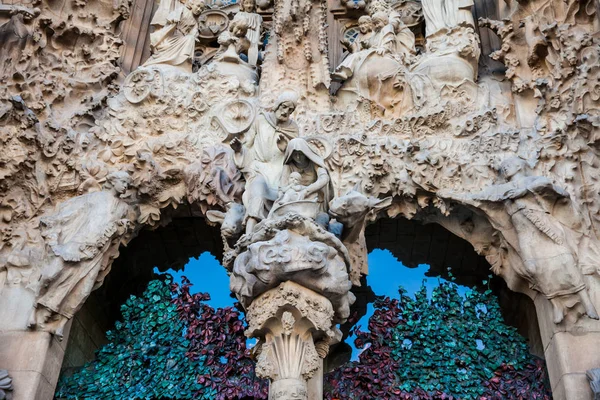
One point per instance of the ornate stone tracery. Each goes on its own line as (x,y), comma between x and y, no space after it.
(236,114)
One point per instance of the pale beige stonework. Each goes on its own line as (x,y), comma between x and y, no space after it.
(352,111)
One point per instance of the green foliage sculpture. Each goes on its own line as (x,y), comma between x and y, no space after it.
(145,357)
(171,345)
(453,344)
(443,347)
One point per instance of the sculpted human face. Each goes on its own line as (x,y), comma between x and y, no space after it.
(510,168)
(365,25)
(300,159)
(295,178)
(195,6)
(284,111)
(240,30)
(248,5)
(120,185)
(379,23)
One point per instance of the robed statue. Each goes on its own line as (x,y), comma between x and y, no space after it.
(260,156)
(82,238)
(174,38)
(527,210)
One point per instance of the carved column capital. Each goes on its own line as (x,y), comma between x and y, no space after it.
(294,327)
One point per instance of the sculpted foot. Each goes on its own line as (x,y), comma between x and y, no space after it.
(32,323)
(558,311)
(59,332)
(590,310)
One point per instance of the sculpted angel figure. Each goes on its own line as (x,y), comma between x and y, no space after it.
(384,36)
(234,41)
(349,64)
(174,39)
(81,245)
(254,22)
(527,211)
(260,157)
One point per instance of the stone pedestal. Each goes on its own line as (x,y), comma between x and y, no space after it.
(571,348)
(33,359)
(294,328)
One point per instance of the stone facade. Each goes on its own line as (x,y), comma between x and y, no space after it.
(292,125)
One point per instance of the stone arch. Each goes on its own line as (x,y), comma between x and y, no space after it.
(413,243)
(165,248)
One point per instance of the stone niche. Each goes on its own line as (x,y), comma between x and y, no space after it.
(291,126)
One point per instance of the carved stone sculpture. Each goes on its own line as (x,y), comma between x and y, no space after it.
(260,157)
(234,48)
(81,246)
(294,328)
(446,14)
(368,72)
(174,39)
(312,189)
(234,41)
(254,22)
(526,209)
(214,180)
(409,130)
(292,248)
(354,210)
(231,223)
(593,376)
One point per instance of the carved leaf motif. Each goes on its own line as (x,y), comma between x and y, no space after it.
(172,196)
(149,214)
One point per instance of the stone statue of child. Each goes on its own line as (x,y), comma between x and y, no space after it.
(294,191)
(234,41)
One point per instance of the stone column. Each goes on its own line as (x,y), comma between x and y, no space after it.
(571,349)
(33,359)
(294,327)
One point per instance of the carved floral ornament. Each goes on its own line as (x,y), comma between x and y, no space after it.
(292,169)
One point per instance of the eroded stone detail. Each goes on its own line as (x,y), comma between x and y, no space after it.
(294,327)
(415,130)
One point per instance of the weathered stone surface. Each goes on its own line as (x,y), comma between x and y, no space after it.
(251,134)
(294,327)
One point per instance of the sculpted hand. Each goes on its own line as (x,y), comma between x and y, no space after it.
(346,44)
(236,145)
